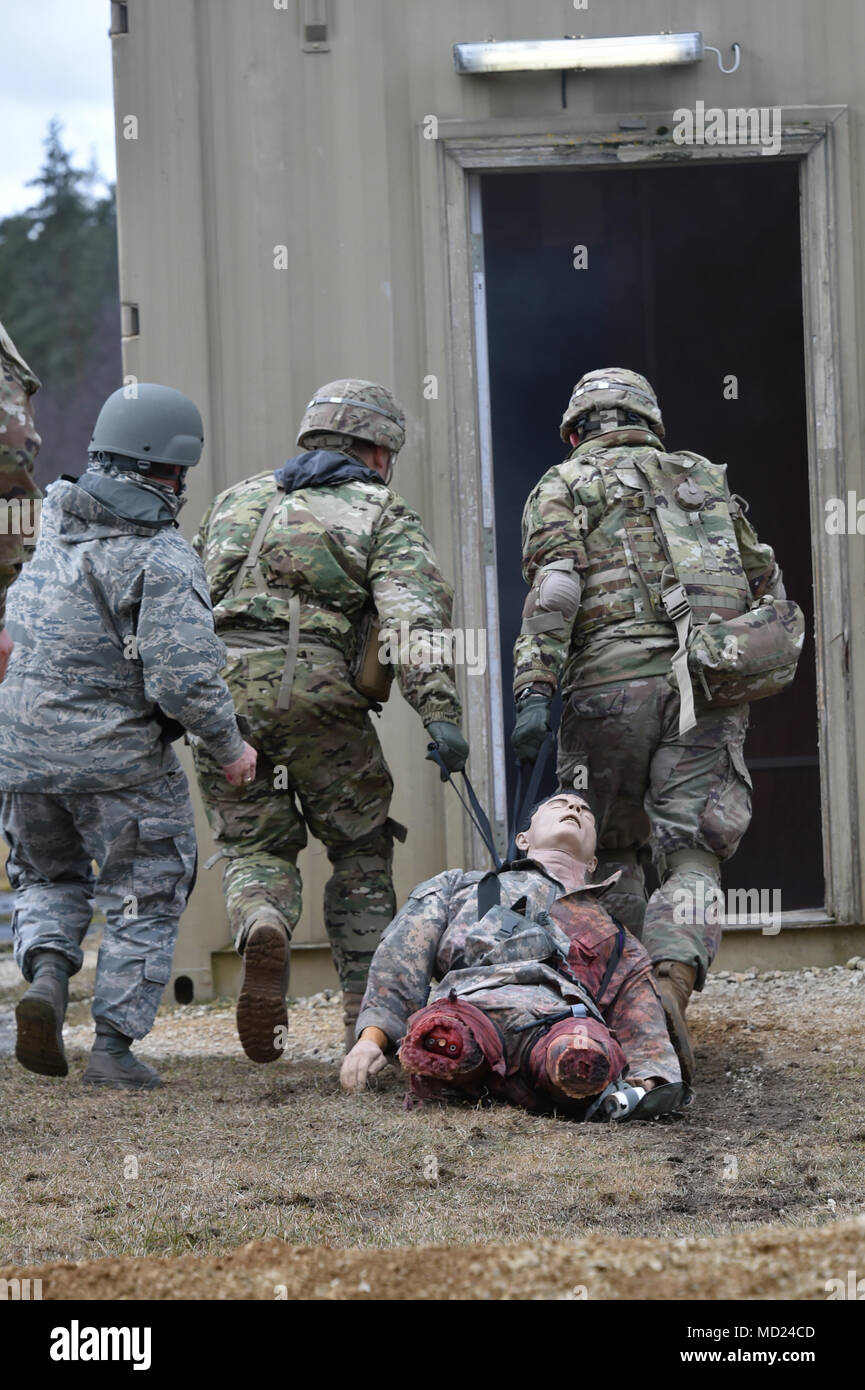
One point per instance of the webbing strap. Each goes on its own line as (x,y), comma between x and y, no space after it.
(678,610)
(474,810)
(522,803)
(251,561)
(283,699)
(615,957)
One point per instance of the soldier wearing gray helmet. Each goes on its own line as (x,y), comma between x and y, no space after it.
(299,561)
(625,545)
(115,655)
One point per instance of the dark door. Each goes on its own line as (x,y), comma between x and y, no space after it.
(693,276)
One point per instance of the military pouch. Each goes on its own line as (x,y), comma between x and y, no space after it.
(370,676)
(739,660)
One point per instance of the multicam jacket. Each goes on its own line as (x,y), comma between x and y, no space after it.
(339,538)
(429,939)
(19,445)
(591,510)
(112,624)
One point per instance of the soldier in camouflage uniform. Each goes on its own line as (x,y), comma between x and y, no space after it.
(295,560)
(19,445)
(542,999)
(666,769)
(115,655)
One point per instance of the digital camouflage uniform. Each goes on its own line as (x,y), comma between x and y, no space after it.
(112,624)
(688,795)
(429,940)
(338,538)
(19,446)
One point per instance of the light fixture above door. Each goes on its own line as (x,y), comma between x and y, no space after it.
(585,55)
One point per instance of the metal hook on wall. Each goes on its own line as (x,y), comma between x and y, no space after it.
(737,53)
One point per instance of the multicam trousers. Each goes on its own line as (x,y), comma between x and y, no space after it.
(652,787)
(143,840)
(319,766)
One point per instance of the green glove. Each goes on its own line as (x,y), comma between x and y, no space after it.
(450,745)
(531,728)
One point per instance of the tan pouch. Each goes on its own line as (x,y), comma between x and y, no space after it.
(370,676)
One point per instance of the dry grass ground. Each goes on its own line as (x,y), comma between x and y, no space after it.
(230,1153)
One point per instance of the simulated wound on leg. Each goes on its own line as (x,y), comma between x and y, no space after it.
(575,1060)
(454,1043)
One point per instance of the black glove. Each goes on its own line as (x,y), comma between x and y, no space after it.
(532,727)
(450,745)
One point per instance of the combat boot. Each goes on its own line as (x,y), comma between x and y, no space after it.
(112,1064)
(262,1017)
(351,1003)
(676,981)
(39,1015)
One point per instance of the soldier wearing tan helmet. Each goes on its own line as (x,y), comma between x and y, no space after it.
(624,547)
(300,565)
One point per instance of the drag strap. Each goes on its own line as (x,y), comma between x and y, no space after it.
(474,810)
(523,803)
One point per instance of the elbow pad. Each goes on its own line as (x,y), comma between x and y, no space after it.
(553,600)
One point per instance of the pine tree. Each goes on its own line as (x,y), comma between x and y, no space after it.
(59,301)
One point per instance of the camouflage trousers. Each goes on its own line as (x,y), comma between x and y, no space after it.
(143,840)
(654,791)
(320,766)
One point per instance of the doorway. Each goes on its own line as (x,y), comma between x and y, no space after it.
(691,275)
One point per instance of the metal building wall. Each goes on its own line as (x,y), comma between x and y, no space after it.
(246,143)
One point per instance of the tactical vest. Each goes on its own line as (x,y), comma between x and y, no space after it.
(627,565)
(299,563)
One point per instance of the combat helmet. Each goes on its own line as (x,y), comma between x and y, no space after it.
(354,409)
(610,395)
(145,424)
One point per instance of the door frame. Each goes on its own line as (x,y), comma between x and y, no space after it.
(817,138)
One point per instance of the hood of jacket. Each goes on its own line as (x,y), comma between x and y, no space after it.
(324,468)
(88,510)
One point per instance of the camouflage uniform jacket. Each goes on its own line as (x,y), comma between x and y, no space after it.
(590,510)
(339,538)
(19,445)
(430,937)
(110,619)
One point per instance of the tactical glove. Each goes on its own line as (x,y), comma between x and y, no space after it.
(531,728)
(450,745)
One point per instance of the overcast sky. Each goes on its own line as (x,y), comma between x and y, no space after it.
(56,62)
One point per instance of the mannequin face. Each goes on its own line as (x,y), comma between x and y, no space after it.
(564,823)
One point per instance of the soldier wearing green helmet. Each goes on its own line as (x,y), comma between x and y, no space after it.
(624,545)
(300,563)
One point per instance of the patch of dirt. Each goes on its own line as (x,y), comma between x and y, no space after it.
(243,1173)
(768,1264)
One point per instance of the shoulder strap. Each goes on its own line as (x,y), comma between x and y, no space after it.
(615,957)
(677,607)
(251,561)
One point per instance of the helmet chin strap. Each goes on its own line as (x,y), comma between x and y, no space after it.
(390,467)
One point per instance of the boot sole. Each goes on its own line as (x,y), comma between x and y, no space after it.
(106,1085)
(36,1045)
(260,1006)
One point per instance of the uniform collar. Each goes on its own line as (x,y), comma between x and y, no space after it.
(523,866)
